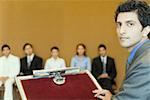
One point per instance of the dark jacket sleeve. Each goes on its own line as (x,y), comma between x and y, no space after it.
(39,63)
(95,70)
(22,66)
(113,72)
(21,69)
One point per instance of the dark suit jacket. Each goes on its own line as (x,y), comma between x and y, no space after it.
(36,64)
(97,67)
(136,85)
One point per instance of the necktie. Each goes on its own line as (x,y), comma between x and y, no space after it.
(104,65)
(29,62)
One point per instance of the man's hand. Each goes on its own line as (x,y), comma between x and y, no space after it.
(103,76)
(3,79)
(102,94)
(21,73)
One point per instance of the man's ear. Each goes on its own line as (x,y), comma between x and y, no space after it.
(146,31)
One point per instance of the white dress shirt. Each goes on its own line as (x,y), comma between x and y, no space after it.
(9,66)
(29,59)
(104,59)
(54,64)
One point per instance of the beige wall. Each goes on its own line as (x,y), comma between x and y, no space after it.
(63,23)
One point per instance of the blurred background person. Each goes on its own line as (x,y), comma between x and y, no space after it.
(55,62)
(31,61)
(9,69)
(104,69)
(81,60)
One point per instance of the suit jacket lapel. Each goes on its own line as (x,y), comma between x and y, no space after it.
(26,62)
(100,61)
(107,62)
(32,61)
(101,64)
(145,46)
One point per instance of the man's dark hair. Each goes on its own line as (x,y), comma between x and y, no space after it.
(102,46)
(54,48)
(27,44)
(140,7)
(5,46)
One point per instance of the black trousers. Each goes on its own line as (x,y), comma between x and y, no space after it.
(105,83)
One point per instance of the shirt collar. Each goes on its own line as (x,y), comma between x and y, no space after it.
(77,57)
(10,55)
(132,53)
(55,59)
(31,56)
(103,57)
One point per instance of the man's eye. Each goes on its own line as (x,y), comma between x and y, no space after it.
(118,24)
(130,24)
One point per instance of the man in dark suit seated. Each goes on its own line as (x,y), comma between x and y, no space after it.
(103,68)
(30,62)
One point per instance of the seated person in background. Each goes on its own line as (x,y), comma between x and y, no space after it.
(55,62)
(30,62)
(9,69)
(81,60)
(103,68)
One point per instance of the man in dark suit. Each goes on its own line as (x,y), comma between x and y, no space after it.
(103,68)
(30,62)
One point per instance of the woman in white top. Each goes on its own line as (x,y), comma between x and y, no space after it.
(55,62)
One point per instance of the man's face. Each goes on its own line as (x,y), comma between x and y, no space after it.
(6,51)
(54,53)
(28,50)
(129,29)
(102,51)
